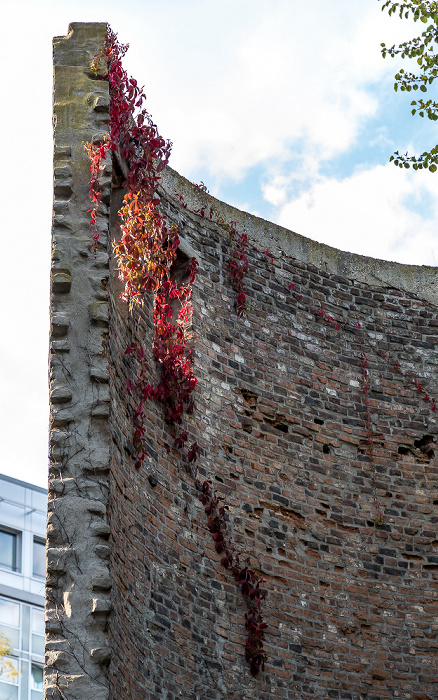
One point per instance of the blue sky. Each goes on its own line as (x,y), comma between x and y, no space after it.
(286,110)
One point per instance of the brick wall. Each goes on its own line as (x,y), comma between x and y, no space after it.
(352,607)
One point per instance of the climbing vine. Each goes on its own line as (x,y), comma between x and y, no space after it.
(146,253)
(239,265)
(248,582)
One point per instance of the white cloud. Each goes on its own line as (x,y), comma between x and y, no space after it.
(375,212)
(262,84)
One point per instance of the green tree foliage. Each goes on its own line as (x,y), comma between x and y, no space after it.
(422,48)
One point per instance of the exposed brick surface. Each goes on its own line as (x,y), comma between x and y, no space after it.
(352,607)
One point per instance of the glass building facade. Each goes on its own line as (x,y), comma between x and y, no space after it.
(22,576)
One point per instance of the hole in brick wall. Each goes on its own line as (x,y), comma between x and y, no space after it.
(129,447)
(379,526)
(258,511)
(178,271)
(318,421)
(403,450)
(234,476)
(326,449)
(278,422)
(117,175)
(424,444)
(228,452)
(219,478)
(269,549)
(179,274)
(250,397)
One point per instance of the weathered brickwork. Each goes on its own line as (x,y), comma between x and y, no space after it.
(352,606)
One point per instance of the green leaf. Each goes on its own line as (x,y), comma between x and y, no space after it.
(423,88)
(432,168)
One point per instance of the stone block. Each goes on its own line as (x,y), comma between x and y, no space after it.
(61,282)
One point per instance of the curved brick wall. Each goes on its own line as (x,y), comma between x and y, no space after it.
(352,607)
(138,605)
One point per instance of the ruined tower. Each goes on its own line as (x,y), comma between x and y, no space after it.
(337,353)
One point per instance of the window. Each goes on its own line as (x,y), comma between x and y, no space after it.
(37,630)
(10,550)
(9,677)
(9,674)
(39,558)
(10,621)
(23,626)
(37,681)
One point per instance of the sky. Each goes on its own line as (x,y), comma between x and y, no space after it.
(284,109)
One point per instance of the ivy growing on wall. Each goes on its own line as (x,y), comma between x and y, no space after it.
(145,253)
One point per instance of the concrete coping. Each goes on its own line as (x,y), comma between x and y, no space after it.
(419,280)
